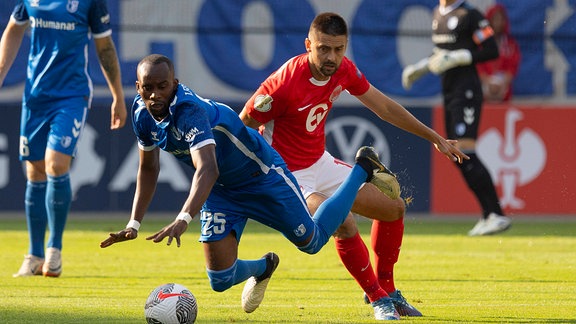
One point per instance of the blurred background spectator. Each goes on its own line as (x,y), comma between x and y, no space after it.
(497,75)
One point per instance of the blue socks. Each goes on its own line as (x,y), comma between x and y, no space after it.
(241,270)
(58,199)
(36,218)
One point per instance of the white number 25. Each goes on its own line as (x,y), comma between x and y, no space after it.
(213,223)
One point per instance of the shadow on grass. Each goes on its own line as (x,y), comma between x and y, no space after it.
(419,224)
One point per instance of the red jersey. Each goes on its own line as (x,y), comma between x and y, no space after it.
(294,121)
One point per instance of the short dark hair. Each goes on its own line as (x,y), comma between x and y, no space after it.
(156,59)
(330,23)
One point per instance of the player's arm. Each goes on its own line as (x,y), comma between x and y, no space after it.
(249,120)
(9,46)
(206,166)
(394,113)
(146,179)
(110,66)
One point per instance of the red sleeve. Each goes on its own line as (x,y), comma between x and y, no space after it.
(273,87)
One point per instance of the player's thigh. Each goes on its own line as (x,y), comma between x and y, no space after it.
(34,129)
(277,202)
(67,126)
(55,125)
(324,177)
(370,202)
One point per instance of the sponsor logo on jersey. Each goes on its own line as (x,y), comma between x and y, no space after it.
(315,117)
(49,24)
(444,39)
(189,137)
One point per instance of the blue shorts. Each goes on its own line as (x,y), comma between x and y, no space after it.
(274,200)
(56,125)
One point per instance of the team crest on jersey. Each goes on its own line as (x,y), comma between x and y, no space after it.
(452,23)
(66,141)
(72,6)
(34,3)
(336,93)
(263,103)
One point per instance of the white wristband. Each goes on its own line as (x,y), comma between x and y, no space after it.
(185,217)
(133,224)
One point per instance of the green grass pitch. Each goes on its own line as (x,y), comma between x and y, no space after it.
(526,275)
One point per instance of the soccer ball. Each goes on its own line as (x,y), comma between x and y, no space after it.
(171,303)
(387,183)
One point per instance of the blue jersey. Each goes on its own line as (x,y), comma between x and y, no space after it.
(60,33)
(193,122)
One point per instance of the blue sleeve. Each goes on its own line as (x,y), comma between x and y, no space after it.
(20,13)
(197,126)
(99,17)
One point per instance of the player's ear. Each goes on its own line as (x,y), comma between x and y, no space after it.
(308,44)
(137,84)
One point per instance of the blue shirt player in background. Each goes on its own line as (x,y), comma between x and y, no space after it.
(55,104)
(237,176)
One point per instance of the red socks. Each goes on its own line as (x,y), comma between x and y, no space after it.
(354,255)
(386,240)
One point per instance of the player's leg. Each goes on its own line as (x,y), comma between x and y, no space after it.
(352,251)
(387,231)
(222,264)
(387,234)
(221,233)
(67,124)
(58,200)
(33,138)
(473,170)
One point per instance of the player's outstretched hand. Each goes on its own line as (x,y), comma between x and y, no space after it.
(413,72)
(121,236)
(172,231)
(448,148)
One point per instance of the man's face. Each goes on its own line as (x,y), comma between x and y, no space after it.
(156,85)
(325,53)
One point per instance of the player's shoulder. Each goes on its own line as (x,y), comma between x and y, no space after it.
(138,108)
(293,66)
(348,64)
(472,11)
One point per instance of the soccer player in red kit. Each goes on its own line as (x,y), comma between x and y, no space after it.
(290,109)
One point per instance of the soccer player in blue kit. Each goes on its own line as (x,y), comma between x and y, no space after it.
(237,176)
(56,100)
